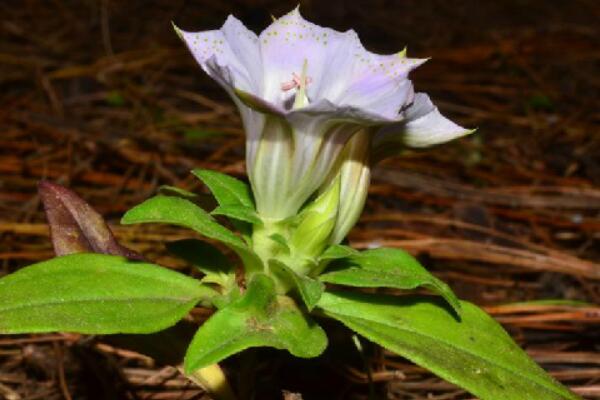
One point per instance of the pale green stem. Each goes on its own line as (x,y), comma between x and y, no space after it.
(262,238)
(213,380)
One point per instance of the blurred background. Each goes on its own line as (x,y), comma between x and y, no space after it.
(102,97)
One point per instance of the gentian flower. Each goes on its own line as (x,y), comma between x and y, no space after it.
(318,110)
(303,91)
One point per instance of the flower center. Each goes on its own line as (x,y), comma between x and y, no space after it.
(299,83)
(295,82)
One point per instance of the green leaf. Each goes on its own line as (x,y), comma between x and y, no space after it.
(337,251)
(310,290)
(239,213)
(182,212)
(234,198)
(96,293)
(387,267)
(259,318)
(228,190)
(474,353)
(333,252)
(207,258)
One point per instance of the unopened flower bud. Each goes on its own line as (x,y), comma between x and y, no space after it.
(354,175)
(316,223)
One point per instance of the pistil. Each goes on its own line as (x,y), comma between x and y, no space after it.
(301,100)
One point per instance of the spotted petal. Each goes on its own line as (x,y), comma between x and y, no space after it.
(340,69)
(229,55)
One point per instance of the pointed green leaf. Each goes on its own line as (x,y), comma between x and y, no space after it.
(182,212)
(96,293)
(474,353)
(309,289)
(387,267)
(228,190)
(234,198)
(259,318)
(337,251)
(333,252)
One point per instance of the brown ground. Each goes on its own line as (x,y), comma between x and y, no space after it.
(101,96)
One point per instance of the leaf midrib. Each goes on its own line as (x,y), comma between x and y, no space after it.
(178,300)
(387,275)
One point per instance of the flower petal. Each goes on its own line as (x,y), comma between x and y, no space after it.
(269,167)
(339,68)
(291,160)
(376,83)
(290,156)
(426,126)
(233,52)
(327,109)
(422,126)
(285,45)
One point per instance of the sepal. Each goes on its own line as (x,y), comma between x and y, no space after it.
(316,223)
(309,290)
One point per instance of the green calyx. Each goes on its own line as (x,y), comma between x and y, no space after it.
(299,241)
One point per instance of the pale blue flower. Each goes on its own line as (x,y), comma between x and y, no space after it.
(303,91)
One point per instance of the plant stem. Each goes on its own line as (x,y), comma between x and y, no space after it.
(213,380)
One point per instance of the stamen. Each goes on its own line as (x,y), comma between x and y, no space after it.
(295,82)
(285,86)
(301,100)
